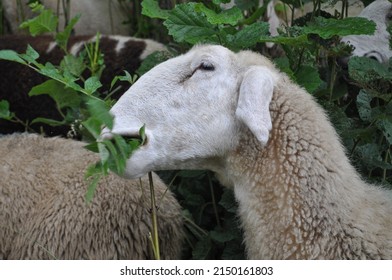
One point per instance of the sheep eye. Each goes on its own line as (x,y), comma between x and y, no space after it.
(206,66)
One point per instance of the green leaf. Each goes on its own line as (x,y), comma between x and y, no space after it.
(4,110)
(93,147)
(218,2)
(126,78)
(50,71)
(63,36)
(249,35)
(92,84)
(386,127)
(31,55)
(93,184)
(116,163)
(64,97)
(308,77)
(327,28)
(222,236)
(142,134)
(43,23)
(74,65)
(151,9)
(93,126)
(123,147)
(202,249)
(99,111)
(246,5)
(370,156)
(151,61)
(283,64)
(11,56)
(228,201)
(104,153)
(365,70)
(230,16)
(186,25)
(133,144)
(363,105)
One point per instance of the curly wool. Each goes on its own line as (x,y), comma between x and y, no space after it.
(44,214)
(299,196)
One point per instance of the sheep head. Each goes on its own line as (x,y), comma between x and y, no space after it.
(374,46)
(194,108)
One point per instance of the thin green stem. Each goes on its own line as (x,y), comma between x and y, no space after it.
(46,250)
(387,154)
(214,201)
(111,16)
(154,234)
(332,79)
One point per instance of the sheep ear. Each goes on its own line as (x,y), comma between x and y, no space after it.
(253,103)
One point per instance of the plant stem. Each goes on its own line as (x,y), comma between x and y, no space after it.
(387,153)
(332,79)
(110,16)
(46,250)
(154,235)
(213,200)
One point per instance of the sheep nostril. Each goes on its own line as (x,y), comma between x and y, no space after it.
(374,55)
(374,58)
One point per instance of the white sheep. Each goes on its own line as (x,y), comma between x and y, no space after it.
(237,115)
(44,214)
(104,16)
(374,46)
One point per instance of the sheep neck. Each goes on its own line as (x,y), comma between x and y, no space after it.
(296,197)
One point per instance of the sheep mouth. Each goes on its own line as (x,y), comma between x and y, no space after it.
(139,139)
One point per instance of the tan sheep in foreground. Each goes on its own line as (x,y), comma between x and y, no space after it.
(237,115)
(44,215)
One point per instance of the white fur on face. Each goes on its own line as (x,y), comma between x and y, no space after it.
(187,105)
(194,107)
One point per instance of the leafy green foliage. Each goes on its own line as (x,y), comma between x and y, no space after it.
(151,9)
(45,22)
(210,216)
(196,23)
(5,110)
(186,25)
(328,27)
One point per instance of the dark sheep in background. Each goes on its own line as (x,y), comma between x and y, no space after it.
(16,80)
